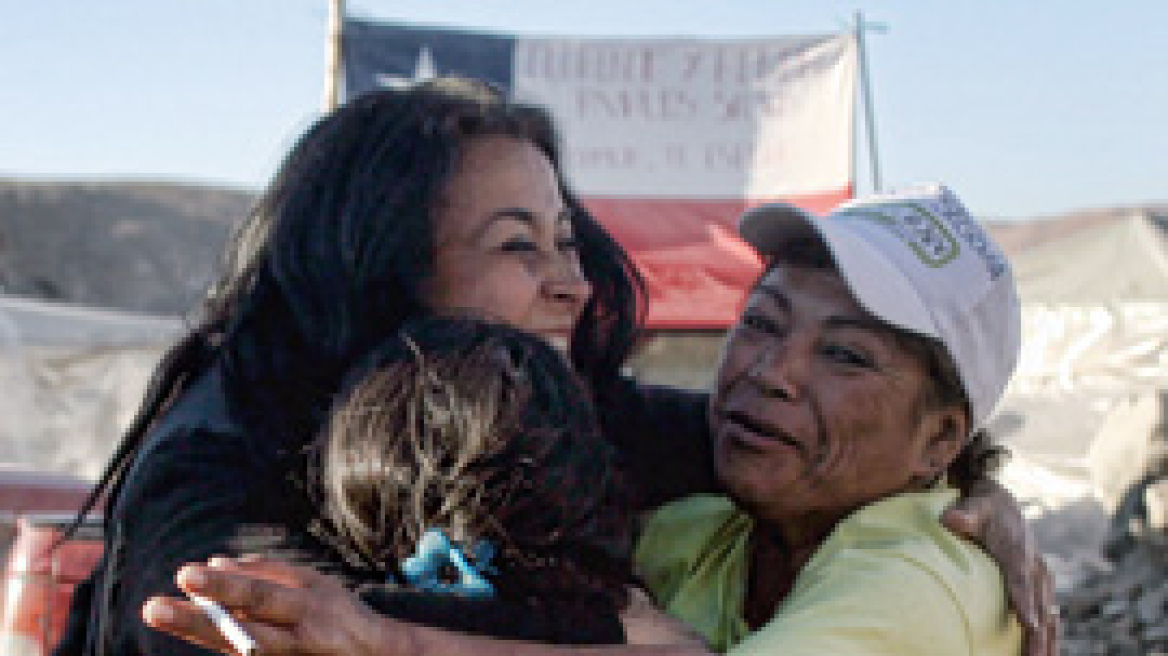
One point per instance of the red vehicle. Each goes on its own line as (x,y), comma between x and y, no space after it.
(38,580)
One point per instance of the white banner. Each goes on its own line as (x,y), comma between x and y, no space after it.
(687,118)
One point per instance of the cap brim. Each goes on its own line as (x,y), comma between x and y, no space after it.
(874,280)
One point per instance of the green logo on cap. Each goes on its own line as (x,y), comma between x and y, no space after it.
(917,227)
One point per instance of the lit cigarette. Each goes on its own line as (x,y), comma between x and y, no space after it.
(226,625)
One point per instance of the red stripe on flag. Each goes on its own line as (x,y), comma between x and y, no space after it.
(696,268)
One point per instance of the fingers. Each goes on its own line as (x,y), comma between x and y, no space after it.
(1034,635)
(255,566)
(963,522)
(645,624)
(989,516)
(1026,600)
(1030,587)
(284,609)
(185,620)
(639,600)
(970,515)
(254,598)
(1032,599)
(1045,634)
(1052,635)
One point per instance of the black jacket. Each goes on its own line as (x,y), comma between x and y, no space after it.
(202,486)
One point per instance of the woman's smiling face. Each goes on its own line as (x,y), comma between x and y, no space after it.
(505,248)
(817,410)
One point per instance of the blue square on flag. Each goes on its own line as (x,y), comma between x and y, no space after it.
(386,55)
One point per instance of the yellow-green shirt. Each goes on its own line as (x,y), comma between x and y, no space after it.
(890,579)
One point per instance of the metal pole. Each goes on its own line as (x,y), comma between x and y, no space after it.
(866,89)
(332,73)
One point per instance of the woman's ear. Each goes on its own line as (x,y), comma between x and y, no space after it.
(945,433)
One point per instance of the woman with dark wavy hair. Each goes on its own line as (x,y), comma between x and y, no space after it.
(440,198)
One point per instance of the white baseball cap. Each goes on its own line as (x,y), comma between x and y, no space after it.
(917,260)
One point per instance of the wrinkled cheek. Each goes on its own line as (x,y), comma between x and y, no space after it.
(831,459)
(731,368)
(840,454)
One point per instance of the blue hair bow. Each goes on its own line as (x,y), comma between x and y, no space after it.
(434,551)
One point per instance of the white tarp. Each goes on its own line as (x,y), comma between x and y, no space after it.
(1085,409)
(72,378)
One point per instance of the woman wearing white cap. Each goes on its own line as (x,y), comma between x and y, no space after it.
(849,399)
(850,395)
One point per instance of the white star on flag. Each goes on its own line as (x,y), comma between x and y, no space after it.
(424,69)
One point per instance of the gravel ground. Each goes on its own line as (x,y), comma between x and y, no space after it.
(1121,607)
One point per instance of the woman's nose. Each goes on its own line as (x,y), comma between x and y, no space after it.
(565,283)
(569,287)
(779,370)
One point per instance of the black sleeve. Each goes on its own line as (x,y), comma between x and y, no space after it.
(188,497)
(598,625)
(663,439)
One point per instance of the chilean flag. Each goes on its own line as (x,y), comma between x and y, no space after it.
(666,140)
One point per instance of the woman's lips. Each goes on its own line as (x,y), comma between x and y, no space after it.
(753,434)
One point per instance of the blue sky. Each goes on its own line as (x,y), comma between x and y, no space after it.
(1025,107)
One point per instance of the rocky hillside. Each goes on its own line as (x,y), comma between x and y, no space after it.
(142,246)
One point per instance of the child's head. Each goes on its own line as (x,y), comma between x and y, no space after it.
(482,431)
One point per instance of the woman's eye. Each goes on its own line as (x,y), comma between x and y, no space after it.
(759,323)
(519,245)
(568,244)
(848,355)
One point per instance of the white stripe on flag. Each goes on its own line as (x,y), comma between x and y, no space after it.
(699,119)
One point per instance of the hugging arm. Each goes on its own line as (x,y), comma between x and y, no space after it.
(188,510)
(191,509)
(295,610)
(988,515)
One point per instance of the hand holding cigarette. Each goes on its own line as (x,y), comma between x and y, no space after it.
(226,625)
(289,609)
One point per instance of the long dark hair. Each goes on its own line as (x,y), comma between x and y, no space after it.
(333,255)
(481,431)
